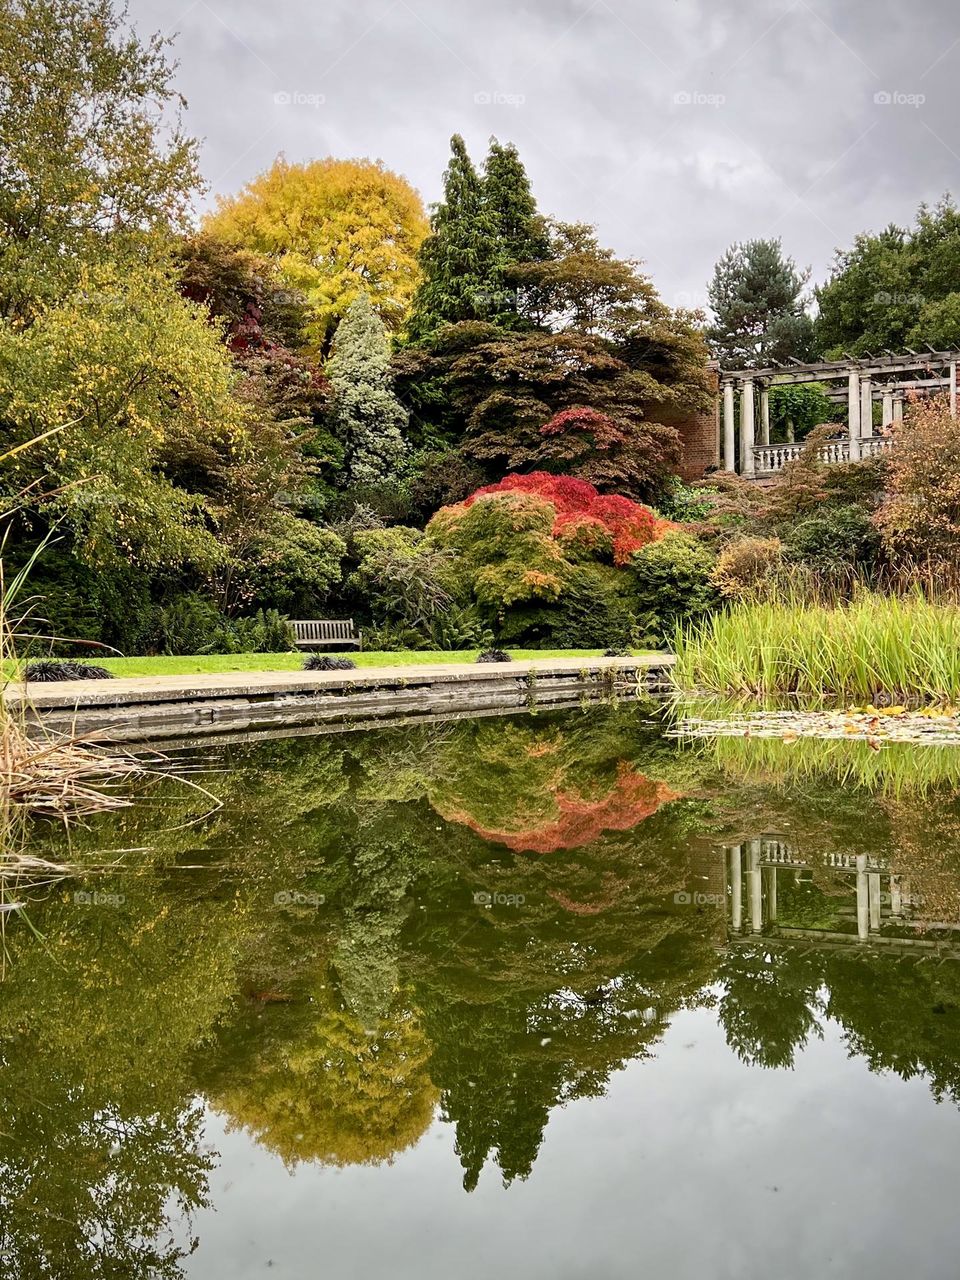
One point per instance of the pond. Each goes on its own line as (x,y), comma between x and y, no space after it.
(550,995)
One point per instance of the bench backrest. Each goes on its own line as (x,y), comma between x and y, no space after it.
(318,631)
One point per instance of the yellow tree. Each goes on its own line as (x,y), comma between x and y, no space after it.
(336,228)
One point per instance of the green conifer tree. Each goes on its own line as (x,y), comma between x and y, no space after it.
(461,259)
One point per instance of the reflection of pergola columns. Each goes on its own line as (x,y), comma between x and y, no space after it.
(736,889)
(853,413)
(887,408)
(866,408)
(873,885)
(755,886)
(896,897)
(764,415)
(729,429)
(863,896)
(770,875)
(747,462)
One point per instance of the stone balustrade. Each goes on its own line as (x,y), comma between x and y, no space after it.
(768,459)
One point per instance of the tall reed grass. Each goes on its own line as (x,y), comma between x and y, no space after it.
(904,647)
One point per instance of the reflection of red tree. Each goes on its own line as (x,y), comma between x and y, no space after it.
(579,821)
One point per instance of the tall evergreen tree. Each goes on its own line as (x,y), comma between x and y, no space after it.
(521,231)
(461,259)
(758,302)
(367,417)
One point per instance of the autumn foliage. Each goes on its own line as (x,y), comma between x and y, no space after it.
(584,516)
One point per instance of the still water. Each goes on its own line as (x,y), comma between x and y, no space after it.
(548,996)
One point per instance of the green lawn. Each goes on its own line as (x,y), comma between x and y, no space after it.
(204,664)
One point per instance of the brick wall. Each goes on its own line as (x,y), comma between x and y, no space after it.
(699,433)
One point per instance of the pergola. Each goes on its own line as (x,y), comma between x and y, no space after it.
(889,378)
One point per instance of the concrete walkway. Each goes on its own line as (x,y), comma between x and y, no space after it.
(156,705)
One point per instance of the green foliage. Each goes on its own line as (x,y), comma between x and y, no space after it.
(801,408)
(462,258)
(192,624)
(683,502)
(93,161)
(366,416)
(401,579)
(672,581)
(904,647)
(833,536)
(759,306)
(896,288)
(294,567)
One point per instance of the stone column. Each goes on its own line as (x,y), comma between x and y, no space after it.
(853,413)
(953,388)
(866,409)
(887,408)
(898,407)
(729,428)
(747,462)
(736,889)
(764,415)
(896,898)
(791,433)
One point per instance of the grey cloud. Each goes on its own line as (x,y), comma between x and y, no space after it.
(677,126)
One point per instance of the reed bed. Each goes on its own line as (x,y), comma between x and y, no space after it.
(902,647)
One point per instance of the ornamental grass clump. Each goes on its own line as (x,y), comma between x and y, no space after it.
(907,648)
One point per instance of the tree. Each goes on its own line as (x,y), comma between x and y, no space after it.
(336,229)
(581,286)
(366,416)
(521,231)
(511,389)
(462,259)
(759,308)
(868,303)
(88,168)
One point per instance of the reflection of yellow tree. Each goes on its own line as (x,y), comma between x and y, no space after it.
(337,1093)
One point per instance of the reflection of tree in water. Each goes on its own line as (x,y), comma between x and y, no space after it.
(310,1081)
(770,1004)
(333,1033)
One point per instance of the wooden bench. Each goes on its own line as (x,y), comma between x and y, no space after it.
(327,635)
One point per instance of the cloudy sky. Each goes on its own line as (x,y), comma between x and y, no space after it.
(675,126)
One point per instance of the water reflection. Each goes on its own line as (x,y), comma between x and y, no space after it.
(480,924)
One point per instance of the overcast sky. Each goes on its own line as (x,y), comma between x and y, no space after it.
(675,126)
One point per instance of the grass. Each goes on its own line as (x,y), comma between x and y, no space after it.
(207,664)
(905,647)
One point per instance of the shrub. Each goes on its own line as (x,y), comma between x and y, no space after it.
(327,662)
(833,537)
(49,670)
(594,612)
(494,655)
(401,578)
(672,581)
(295,567)
(920,519)
(192,624)
(747,567)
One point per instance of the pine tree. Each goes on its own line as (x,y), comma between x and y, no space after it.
(760,312)
(367,417)
(521,231)
(461,259)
